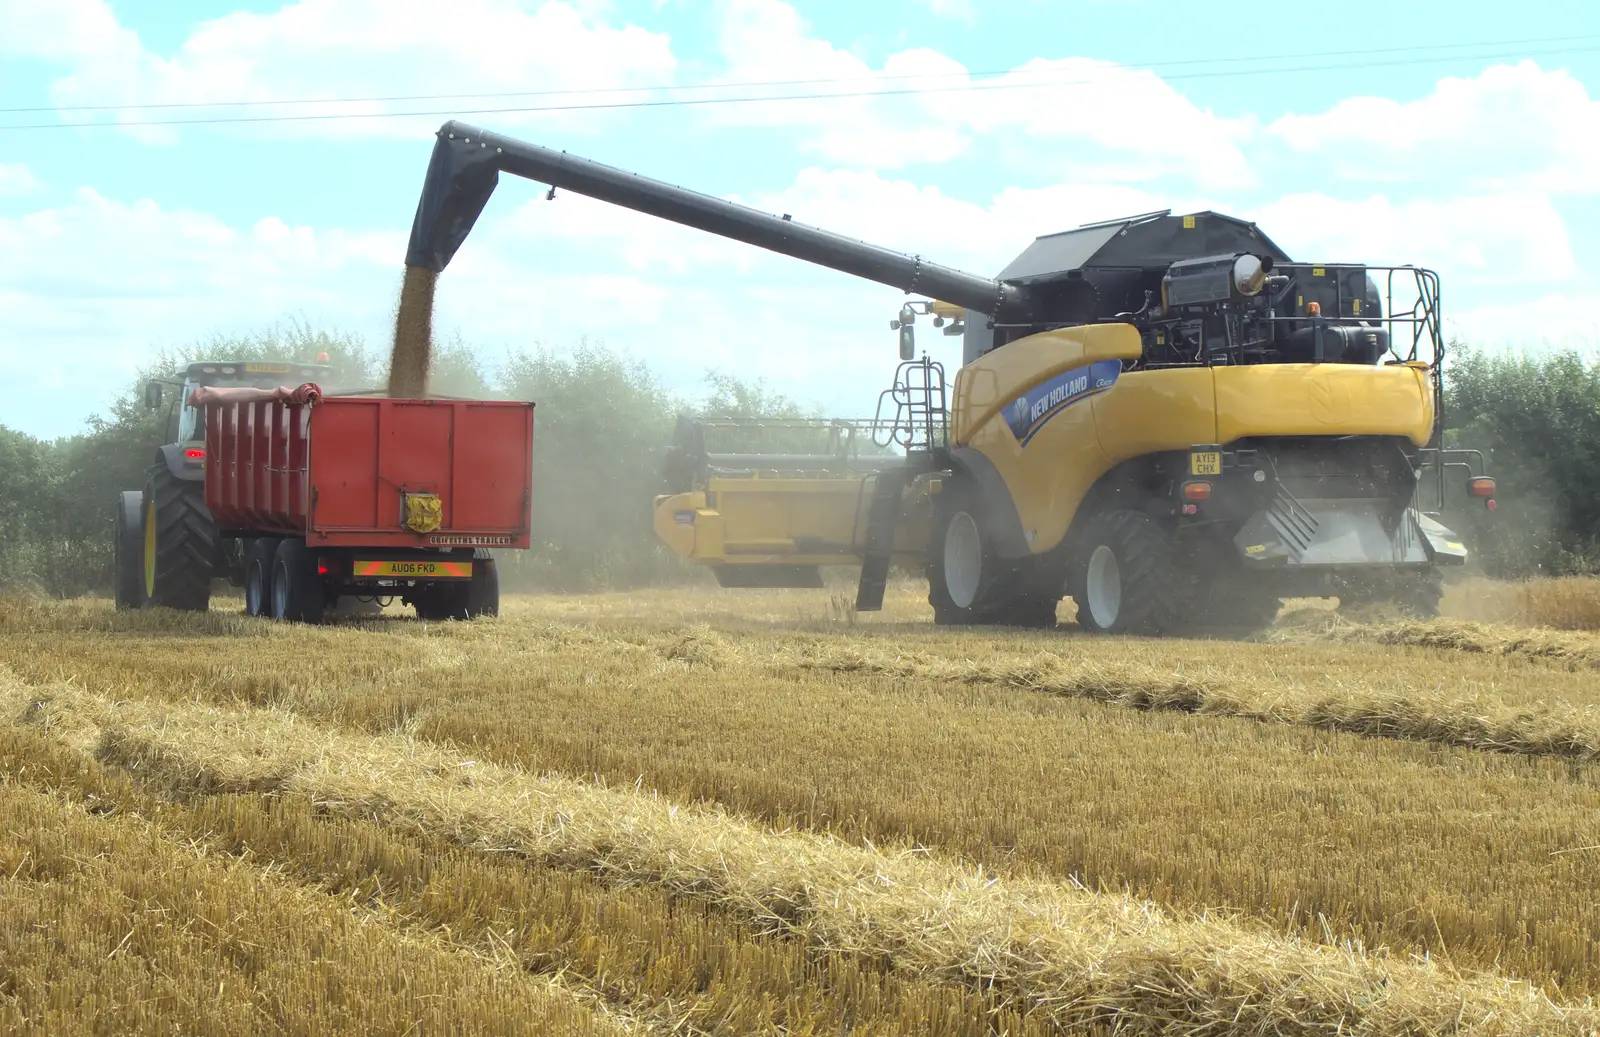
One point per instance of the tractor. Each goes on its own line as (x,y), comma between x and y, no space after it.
(166,547)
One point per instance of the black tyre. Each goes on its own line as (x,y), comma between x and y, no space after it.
(297,593)
(127,547)
(483,592)
(258,576)
(180,542)
(463,599)
(1123,575)
(968,583)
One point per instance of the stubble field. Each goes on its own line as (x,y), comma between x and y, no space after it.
(735,812)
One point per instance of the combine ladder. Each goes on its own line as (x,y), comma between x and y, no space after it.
(882,517)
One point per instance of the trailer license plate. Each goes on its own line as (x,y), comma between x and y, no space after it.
(415,570)
(1205,462)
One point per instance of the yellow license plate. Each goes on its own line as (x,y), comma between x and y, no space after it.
(415,570)
(1205,462)
(266,368)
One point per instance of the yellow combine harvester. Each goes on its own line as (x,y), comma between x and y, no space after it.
(1163,417)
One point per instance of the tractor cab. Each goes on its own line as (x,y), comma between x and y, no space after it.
(186,427)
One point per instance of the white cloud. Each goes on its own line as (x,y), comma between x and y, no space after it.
(61,30)
(347,48)
(1083,100)
(959,10)
(1074,116)
(1507,240)
(16,178)
(92,285)
(1511,126)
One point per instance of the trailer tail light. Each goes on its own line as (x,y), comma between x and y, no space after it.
(194,454)
(1196,491)
(1481,486)
(322,566)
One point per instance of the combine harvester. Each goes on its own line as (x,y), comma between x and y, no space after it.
(305,498)
(1163,417)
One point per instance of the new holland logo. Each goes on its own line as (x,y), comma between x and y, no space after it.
(1034,408)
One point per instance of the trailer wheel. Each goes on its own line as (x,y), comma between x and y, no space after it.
(180,542)
(463,599)
(127,546)
(1123,576)
(258,576)
(296,588)
(483,592)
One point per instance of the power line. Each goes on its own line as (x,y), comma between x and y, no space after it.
(591,91)
(760,99)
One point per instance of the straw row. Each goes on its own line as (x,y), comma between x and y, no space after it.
(1081,957)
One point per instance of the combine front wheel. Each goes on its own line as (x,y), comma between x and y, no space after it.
(180,542)
(960,563)
(969,584)
(1124,579)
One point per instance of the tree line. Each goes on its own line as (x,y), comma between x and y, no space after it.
(603,420)
(600,426)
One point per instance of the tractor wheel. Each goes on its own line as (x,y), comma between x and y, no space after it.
(1123,576)
(180,542)
(127,548)
(258,576)
(969,584)
(296,588)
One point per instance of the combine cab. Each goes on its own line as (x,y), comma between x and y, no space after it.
(1163,417)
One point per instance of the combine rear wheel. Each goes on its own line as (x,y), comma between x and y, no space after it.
(297,593)
(127,548)
(180,542)
(258,576)
(1124,578)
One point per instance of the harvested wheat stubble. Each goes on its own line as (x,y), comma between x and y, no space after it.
(1082,957)
(108,927)
(1573,650)
(644,957)
(1476,856)
(413,334)
(1570,732)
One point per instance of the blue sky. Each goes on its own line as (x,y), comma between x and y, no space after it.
(1390,133)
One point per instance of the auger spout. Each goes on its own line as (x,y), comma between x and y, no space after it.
(467,161)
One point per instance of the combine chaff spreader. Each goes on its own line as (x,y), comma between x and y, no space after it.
(1163,417)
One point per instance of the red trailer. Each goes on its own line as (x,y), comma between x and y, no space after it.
(326,496)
